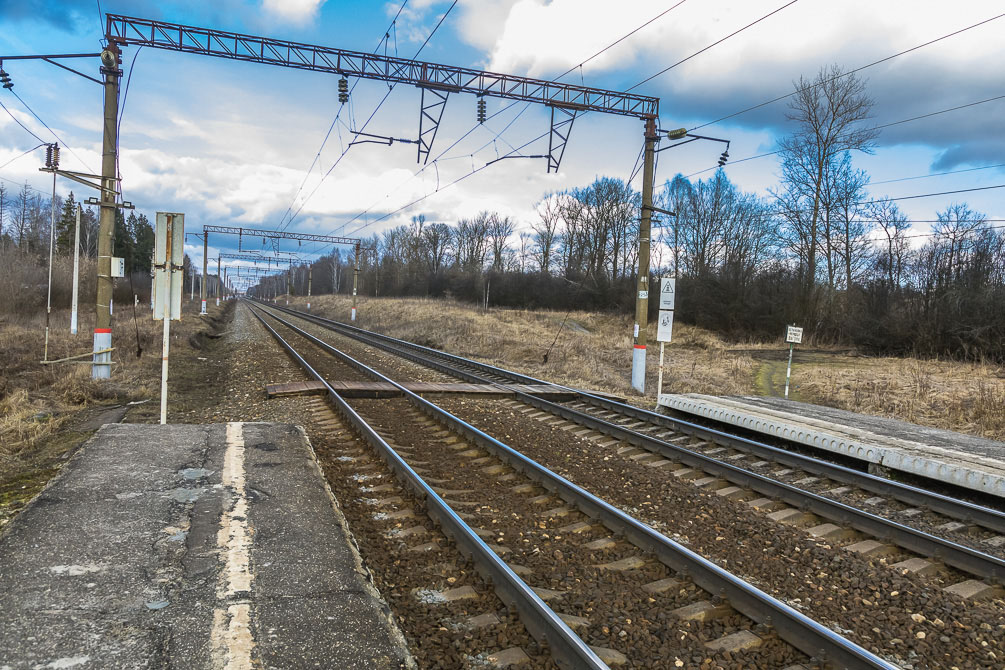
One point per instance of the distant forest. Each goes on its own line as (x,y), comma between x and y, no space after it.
(817,251)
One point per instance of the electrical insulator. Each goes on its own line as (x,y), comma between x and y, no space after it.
(481,110)
(5,78)
(55,156)
(343,90)
(723,158)
(676,134)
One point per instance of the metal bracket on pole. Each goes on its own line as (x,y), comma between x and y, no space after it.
(429,120)
(559,135)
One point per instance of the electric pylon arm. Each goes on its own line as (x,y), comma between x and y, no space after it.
(126,31)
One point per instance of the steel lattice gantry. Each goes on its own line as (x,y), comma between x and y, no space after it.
(435,80)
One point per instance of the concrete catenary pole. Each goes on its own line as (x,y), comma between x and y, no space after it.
(289,282)
(642,296)
(355,284)
(205,269)
(52,244)
(310,269)
(102,363)
(76,273)
(219,281)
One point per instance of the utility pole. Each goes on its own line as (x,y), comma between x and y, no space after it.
(218,281)
(76,273)
(102,363)
(310,270)
(642,296)
(205,269)
(289,283)
(355,284)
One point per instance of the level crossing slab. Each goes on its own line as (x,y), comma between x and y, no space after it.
(953,458)
(190,546)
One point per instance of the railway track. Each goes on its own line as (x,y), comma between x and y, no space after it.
(566,560)
(832,502)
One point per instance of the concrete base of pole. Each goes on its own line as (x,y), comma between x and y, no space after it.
(639,368)
(308,307)
(203,307)
(217,302)
(102,364)
(352,315)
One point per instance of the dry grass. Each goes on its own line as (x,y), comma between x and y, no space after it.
(594,351)
(965,397)
(37,401)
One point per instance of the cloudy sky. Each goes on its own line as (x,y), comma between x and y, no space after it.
(233,143)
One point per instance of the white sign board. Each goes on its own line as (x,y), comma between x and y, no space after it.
(169,227)
(664,327)
(793,335)
(668,292)
(118,266)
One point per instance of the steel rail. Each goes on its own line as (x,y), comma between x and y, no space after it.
(957,509)
(797,629)
(541,621)
(969,560)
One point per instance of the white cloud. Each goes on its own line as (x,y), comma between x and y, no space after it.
(294,11)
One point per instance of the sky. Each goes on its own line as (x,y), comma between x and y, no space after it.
(240,144)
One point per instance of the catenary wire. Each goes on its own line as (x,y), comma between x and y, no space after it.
(372,114)
(317,156)
(440,156)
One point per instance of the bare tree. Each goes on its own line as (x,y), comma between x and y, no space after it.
(546,230)
(500,229)
(827,111)
(894,224)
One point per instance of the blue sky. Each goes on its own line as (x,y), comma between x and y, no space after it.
(230,142)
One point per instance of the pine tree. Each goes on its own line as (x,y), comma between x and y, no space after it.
(122,245)
(65,225)
(143,249)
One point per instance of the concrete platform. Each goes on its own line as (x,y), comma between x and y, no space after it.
(962,460)
(192,547)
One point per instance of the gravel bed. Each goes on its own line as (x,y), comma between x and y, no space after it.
(622,616)
(889,508)
(905,618)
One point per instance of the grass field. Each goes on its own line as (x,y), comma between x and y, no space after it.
(593,350)
(40,405)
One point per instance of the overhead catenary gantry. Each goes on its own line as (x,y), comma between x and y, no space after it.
(300,237)
(436,81)
(566,100)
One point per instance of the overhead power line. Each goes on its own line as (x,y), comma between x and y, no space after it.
(22,154)
(58,138)
(850,72)
(885,125)
(937,174)
(717,42)
(18,122)
(905,197)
